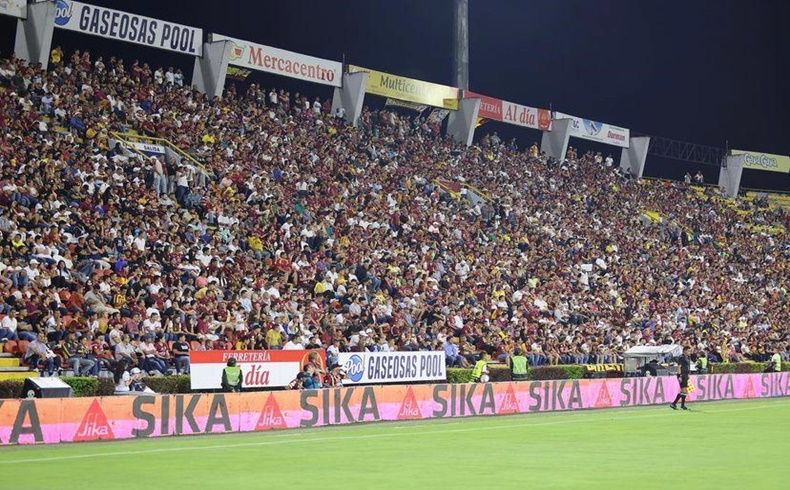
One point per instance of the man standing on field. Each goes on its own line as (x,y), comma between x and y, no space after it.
(683,377)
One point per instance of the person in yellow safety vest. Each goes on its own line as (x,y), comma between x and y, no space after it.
(480,371)
(702,363)
(775,364)
(231,377)
(518,365)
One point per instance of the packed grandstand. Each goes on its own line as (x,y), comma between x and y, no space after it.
(288,228)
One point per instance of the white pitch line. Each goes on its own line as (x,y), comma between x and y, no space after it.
(369,436)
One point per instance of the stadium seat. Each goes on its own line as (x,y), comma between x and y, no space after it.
(21,347)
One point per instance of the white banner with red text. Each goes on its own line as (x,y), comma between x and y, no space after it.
(259,368)
(596,131)
(392,367)
(281,62)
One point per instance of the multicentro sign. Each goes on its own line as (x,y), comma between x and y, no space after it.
(123,26)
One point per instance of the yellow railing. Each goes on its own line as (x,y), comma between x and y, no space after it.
(133,137)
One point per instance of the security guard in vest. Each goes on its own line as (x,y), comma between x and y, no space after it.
(702,363)
(518,366)
(480,371)
(775,364)
(231,377)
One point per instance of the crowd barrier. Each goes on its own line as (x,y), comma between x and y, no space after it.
(52,421)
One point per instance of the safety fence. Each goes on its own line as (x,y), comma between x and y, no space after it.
(57,420)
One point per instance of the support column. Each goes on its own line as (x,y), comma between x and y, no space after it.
(555,142)
(351,96)
(210,70)
(634,156)
(461,123)
(730,174)
(34,34)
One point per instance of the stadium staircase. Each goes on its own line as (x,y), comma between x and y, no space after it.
(171,149)
(456,189)
(10,367)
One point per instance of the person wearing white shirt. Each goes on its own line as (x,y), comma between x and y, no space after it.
(152,323)
(295,343)
(8,327)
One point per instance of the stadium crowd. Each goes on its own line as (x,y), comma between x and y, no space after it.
(299,231)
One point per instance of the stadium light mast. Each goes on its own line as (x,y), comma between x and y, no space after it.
(461,44)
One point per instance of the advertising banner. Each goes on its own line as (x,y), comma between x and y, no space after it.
(132,28)
(392,367)
(54,420)
(490,108)
(259,368)
(281,62)
(596,131)
(764,161)
(402,88)
(14,8)
(500,110)
(406,105)
(148,149)
(237,73)
(529,117)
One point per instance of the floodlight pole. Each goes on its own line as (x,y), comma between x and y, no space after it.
(461,44)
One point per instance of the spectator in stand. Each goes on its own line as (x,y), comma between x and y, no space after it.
(76,355)
(452,356)
(39,352)
(291,194)
(334,377)
(8,326)
(181,355)
(149,361)
(311,380)
(125,351)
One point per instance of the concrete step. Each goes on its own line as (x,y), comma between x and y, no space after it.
(18,375)
(9,362)
(13,369)
(7,354)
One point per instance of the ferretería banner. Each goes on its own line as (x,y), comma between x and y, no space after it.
(756,160)
(281,62)
(131,28)
(392,367)
(409,89)
(596,131)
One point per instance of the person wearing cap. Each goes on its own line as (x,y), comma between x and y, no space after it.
(231,377)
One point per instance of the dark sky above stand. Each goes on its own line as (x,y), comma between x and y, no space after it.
(708,72)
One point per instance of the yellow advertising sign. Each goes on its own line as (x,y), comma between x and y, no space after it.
(402,88)
(764,161)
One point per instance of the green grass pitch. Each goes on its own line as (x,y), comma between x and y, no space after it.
(719,445)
